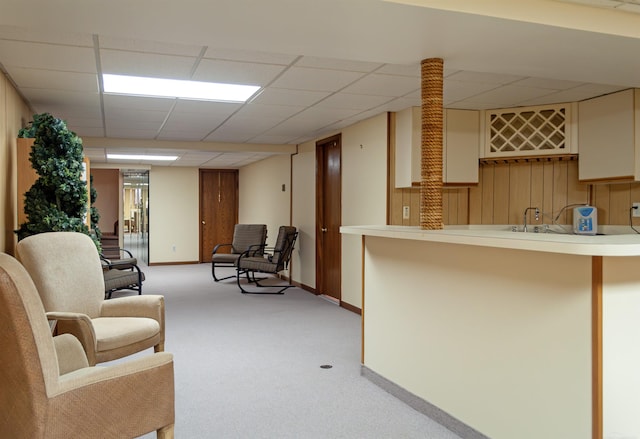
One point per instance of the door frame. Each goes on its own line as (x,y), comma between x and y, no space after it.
(320,175)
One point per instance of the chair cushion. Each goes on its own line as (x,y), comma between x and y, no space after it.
(115,332)
(117,279)
(258,264)
(227,258)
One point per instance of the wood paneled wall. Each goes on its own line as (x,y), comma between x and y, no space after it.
(505,190)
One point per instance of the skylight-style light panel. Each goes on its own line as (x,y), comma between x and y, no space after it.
(176,88)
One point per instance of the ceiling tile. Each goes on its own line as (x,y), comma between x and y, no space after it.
(412,70)
(235,72)
(253,111)
(384,85)
(484,78)
(41,96)
(48,36)
(554,84)
(51,79)
(303,78)
(141,46)
(249,56)
(505,96)
(47,56)
(138,103)
(337,64)
(193,135)
(353,101)
(131,133)
(205,107)
(281,96)
(154,65)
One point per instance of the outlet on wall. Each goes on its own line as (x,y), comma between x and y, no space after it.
(405,212)
(636,209)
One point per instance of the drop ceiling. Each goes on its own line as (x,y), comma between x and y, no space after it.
(321,66)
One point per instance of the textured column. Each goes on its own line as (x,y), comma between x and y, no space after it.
(431,159)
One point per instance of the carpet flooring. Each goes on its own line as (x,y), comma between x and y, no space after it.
(251,366)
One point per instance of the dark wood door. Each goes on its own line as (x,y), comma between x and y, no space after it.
(218,209)
(329,215)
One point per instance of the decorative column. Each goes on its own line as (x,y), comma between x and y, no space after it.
(431,159)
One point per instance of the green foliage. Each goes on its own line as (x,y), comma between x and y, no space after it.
(93,212)
(57,201)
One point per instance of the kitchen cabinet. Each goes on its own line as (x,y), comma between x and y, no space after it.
(461,139)
(542,130)
(608,137)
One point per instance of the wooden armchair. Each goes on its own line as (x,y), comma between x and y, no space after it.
(48,389)
(66,268)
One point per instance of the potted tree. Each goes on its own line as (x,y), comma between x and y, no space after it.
(57,201)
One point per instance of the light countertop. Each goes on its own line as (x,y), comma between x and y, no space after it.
(618,243)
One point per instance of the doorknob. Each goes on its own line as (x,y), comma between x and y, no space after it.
(324,230)
(203,222)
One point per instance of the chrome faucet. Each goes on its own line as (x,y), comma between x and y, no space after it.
(537,213)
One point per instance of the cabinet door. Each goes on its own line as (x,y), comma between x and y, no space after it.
(606,137)
(461,147)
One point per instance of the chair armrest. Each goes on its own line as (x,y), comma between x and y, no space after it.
(151,306)
(215,249)
(103,377)
(71,355)
(80,326)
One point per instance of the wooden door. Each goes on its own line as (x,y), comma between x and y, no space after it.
(218,209)
(328,217)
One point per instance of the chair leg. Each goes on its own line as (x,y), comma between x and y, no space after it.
(166,432)
(213,273)
(252,279)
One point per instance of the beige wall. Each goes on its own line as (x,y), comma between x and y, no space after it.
(261,194)
(173,215)
(14,114)
(364,195)
(303,213)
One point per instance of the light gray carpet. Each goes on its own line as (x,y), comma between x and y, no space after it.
(248,366)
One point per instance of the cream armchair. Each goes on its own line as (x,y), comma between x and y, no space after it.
(66,269)
(48,389)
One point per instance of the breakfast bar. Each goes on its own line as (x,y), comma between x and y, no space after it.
(511,334)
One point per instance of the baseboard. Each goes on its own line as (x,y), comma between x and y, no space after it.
(422,406)
(351,308)
(173,263)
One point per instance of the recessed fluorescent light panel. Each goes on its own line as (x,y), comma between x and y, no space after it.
(142,157)
(175,88)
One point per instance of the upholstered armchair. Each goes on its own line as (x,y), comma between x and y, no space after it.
(48,389)
(66,269)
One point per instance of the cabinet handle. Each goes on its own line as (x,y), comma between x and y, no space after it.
(324,230)
(203,222)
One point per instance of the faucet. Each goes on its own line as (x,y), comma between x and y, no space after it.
(537,213)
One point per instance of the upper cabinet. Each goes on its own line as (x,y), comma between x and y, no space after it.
(542,130)
(608,136)
(461,145)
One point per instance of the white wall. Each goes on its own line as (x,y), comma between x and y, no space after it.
(262,200)
(304,214)
(173,215)
(364,194)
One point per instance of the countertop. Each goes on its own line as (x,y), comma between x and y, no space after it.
(617,243)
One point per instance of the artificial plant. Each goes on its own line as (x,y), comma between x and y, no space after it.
(57,201)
